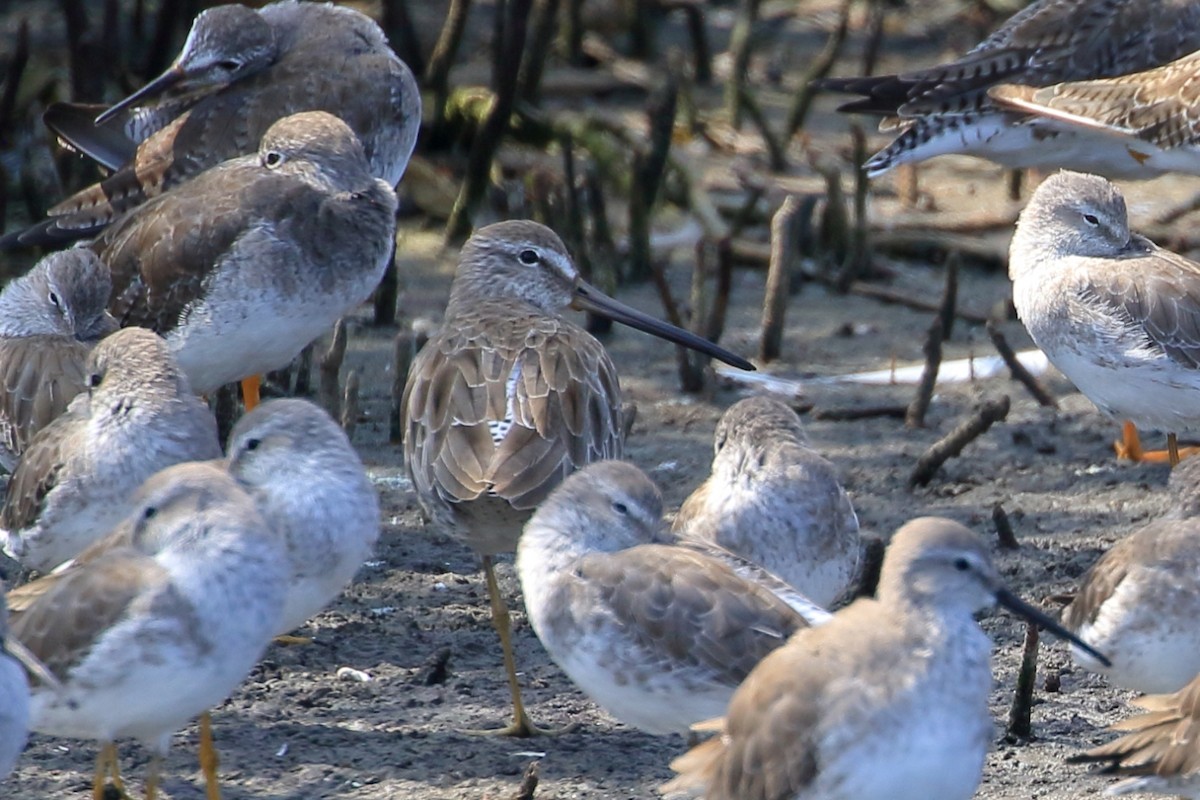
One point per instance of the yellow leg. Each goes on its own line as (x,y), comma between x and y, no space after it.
(152,777)
(250,391)
(208,759)
(107,763)
(520,725)
(100,776)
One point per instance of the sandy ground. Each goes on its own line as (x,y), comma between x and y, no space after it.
(416,622)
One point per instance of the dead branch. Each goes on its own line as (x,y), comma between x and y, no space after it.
(330,365)
(350,404)
(1017,369)
(949,446)
(1004,531)
(783,261)
(915,418)
(817,70)
(1019,714)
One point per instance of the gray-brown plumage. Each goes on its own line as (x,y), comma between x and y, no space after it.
(240,71)
(1116,313)
(50,318)
(946,108)
(886,701)
(244,265)
(510,397)
(1158,750)
(776,502)
(1138,603)
(74,481)
(1156,112)
(658,635)
(159,621)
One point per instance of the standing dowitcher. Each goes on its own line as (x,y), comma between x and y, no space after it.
(1152,117)
(159,621)
(510,397)
(1116,313)
(74,481)
(1138,603)
(776,502)
(309,484)
(946,108)
(886,701)
(244,265)
(658,635)
(50,319)
(240,71)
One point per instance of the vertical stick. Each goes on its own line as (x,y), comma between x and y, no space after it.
(783,256)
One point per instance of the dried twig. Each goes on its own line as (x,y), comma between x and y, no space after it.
(915,418)
(350,404)
(529,783)
(741,39)
(1004,531)
(1017,369)
(1019,725)
(949,296)
(404,350)
(483,149)
(894,410)
(818,69)
(783,259)
(989,413)
(330,365)
(648,170)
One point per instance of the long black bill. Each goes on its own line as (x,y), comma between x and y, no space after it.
(155,87)
(1018,606)
(589,298)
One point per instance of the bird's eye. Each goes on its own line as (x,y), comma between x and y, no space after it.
(150,512)
(621,508)
(229,65)
(961,564)
(94,379)
(253,444)
(273,159)
(54,300)
(529,257)
(1091,219)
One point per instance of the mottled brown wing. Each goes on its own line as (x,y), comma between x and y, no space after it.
(63,623)
(508,406)
(1162,299)
(691,607)
(39,376)
(766,750)
(1160,106)
(1046,43)
(162,253)
(38,472)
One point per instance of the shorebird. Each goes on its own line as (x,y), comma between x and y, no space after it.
(510,397)
(776,502)
(240,71)
(1114,312)
(1153,116)
(312,489)
(887,700)
(658,635)
(946,108)
(1137,603)
(245,264)
(159,621)
(1159,748)
(50,318)
(14,700)
(74,481)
